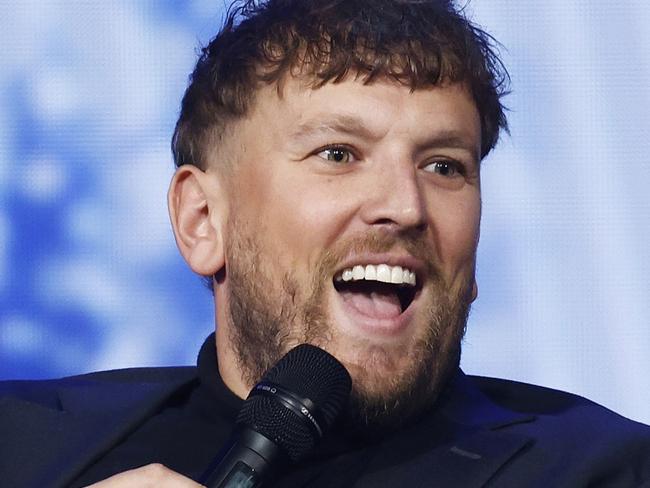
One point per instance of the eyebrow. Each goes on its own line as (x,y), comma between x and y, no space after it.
(354,125)
(339,124)
(451,139)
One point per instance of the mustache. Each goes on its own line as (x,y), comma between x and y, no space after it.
(382,241)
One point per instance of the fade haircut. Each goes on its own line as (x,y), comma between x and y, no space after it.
(419,43)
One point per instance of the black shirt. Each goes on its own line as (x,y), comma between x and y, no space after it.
(196,423)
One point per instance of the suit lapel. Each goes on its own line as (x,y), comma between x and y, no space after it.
(468,463)
(88,422)
(478,444)
(473,459)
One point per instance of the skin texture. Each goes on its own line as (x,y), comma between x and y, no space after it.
(150,476)
(321,179)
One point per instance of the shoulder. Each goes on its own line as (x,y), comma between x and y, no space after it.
(575,435)
(65,424)
(570,440)
(547,403)
(47,391)
(528,398)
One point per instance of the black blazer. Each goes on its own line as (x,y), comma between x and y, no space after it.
(514,435)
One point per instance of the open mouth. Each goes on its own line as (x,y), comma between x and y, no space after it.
(377,291)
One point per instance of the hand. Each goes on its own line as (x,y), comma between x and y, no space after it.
(149,476)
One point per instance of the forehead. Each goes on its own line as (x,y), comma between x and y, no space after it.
(295,109)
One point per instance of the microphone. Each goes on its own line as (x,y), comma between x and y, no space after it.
(283,418)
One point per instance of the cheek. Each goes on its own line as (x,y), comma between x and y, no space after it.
(300,217)
(456,228)
(332,204)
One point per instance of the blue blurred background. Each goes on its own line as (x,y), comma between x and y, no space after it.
(89,274)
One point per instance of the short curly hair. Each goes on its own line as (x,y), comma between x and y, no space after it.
(419,43)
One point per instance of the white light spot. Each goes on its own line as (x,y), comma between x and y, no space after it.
(84,283)
(43,179)
(55,93)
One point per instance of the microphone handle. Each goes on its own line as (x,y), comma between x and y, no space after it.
(250,460)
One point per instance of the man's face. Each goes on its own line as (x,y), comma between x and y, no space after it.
(333,193)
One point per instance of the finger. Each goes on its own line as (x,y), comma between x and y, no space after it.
(149,476)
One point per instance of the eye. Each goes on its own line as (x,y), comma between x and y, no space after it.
(336,154)
(446,168)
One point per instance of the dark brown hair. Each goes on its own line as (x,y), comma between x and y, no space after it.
(419,43)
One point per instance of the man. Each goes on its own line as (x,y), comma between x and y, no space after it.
(328,186)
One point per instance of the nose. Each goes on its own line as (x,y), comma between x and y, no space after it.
(395,198)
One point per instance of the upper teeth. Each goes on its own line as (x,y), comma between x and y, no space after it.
(379,272)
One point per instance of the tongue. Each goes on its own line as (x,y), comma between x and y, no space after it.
(380,305)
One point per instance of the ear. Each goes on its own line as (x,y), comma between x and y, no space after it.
(196,209)
(474,290)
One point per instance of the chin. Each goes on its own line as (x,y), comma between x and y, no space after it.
(376,364)
(393,384)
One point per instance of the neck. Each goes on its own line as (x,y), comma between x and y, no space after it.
(227,360)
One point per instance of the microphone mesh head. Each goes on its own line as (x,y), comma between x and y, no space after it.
(308,372)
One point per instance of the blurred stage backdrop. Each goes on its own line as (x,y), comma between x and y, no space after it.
(89,274)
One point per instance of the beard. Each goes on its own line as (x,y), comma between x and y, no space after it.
(270,313)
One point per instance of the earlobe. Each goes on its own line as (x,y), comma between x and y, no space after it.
(474,291)
(195,210)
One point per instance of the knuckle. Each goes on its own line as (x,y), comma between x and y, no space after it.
(155,472)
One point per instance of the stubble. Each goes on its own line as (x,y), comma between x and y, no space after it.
(391,385)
